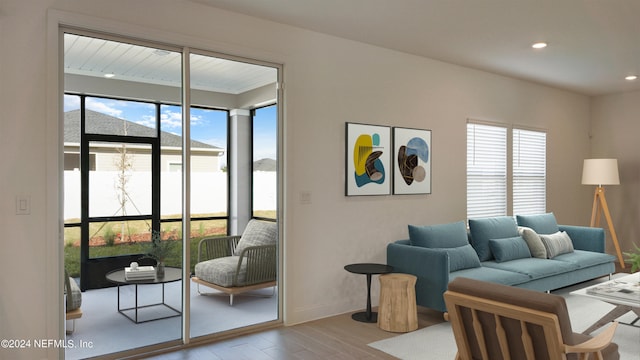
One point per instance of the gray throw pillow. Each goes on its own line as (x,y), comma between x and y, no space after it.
(536,247)
(557,243)
(257,233)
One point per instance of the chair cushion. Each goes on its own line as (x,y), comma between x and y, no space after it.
(75,298)
(221,271)
(536,247)
(257,233)
(482,230)
(509,249)
(557,244)
(439,236)
(542,224)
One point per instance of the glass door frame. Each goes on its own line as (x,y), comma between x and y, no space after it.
(93,270)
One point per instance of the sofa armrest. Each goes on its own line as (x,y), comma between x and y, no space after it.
(430,266)
(585,238)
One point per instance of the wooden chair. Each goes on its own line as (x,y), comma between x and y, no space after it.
(493,321)
(238,264)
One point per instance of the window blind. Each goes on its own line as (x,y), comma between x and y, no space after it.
(529,172)
(486,170)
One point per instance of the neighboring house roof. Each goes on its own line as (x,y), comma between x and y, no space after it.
(99,123)
(264,165)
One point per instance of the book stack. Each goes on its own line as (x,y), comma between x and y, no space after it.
(628,291)
(140,273)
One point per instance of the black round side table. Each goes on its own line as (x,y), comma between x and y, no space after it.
(368,269)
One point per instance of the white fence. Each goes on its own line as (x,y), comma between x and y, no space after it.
(208,193)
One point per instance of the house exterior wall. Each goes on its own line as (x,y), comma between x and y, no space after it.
(329,81)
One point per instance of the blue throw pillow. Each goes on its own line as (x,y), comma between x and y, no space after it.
(463,257)
(509,249)
(542,224)
(482,230)
(439,236)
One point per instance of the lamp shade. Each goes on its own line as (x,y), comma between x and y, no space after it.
(600,172)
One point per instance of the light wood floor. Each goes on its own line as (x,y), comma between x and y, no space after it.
(337,338)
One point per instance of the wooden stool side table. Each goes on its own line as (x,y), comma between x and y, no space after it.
(397,310)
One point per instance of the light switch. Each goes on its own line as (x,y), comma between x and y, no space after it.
(23,205)
(305,197)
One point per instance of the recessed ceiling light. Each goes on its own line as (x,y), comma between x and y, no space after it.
(161,52)
(109,75)
(539,45)
(631,77)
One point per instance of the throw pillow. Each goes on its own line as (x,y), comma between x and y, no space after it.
(536,247)
(257,233)
(499,227)
(463,257)
(557,243)
(509,249)
(439,236)
(542,224)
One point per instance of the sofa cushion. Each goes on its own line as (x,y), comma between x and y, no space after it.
(450,235)
(542,224)
(257,233)
(482,230)
(584,259)
(462,257)
(557,243)
(221,271)
(509,249)
(491,274)
(536,247)
(534,268)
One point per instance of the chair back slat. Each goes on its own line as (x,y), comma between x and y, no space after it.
(477,328)
(502,338)
(527,341)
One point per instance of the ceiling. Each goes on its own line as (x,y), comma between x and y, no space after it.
(95,57)
(592,44)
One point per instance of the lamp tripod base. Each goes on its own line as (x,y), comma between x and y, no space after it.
(600,202)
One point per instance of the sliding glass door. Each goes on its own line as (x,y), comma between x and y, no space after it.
(135,143)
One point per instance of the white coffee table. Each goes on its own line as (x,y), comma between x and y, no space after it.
(609,292)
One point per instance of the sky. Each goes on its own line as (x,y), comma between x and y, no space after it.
(207,126)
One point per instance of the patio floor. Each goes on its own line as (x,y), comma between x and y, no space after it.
(102,330)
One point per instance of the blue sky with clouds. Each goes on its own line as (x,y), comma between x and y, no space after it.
(208,126)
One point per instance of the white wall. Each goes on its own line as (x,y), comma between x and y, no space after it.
(615,134)
(329,81)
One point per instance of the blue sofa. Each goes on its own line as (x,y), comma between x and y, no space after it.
(532,252)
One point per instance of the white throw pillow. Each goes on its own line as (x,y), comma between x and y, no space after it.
(536,247)
(557,244)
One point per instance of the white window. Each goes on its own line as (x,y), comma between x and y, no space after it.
(486,170)
(491,185)
(529,172)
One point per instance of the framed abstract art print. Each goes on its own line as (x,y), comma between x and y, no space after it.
(368,159)
(412,155)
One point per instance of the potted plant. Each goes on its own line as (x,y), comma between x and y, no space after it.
(633,258)
(159,250)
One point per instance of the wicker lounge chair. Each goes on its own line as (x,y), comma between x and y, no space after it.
(237,264)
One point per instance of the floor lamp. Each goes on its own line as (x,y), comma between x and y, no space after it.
(602,172)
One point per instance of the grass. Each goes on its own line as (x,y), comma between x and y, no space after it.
(200,229)
(72,254)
